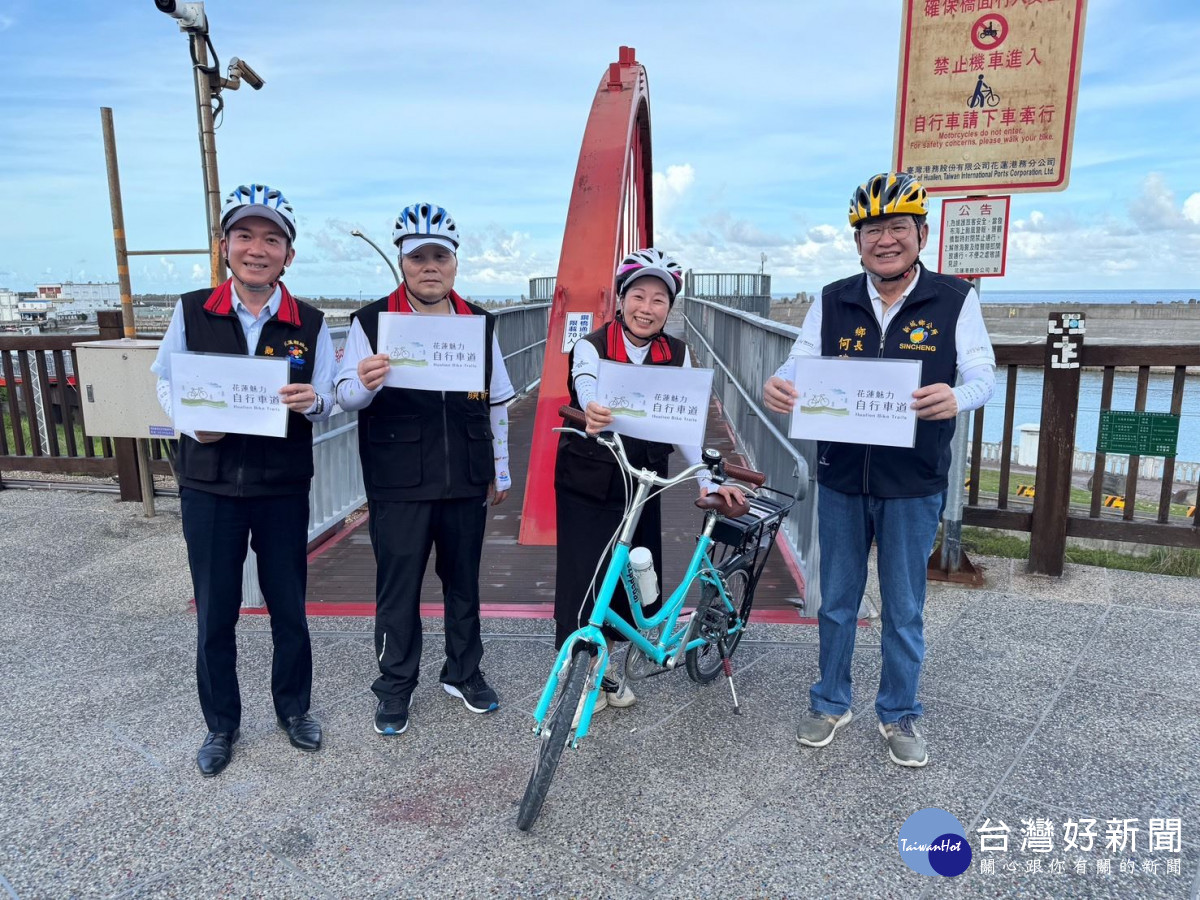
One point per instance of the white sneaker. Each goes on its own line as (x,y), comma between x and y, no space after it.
(617,694)
(601,703)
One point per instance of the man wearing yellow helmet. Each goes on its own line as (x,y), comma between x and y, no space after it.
(895,309)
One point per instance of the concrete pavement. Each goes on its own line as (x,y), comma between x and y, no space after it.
(1045,699)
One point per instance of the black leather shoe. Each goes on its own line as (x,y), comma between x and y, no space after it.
(216,752)
(303,731)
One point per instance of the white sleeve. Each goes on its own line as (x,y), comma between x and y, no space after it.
(585,367)
(500,390)
(979,382)
(499,416)
(807,344)
(174,341)
(323,371)
(348,389)
(971,337)
(692,454)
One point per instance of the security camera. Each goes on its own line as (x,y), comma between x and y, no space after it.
(190,15)
(241,68)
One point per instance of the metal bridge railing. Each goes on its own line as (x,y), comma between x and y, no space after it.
(337,486)
(749,292)
(542,288)
(521,331)
(744,350)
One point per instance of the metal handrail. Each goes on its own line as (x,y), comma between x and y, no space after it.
(802,473)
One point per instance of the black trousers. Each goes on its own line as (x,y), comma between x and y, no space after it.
(584,530)
(216,529)
(402,534)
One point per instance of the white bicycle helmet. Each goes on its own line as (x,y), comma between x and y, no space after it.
(424,223)
(649,261)
(258,200)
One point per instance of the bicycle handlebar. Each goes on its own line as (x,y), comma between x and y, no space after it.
(741,473)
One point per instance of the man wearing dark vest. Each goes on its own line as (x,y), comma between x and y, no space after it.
(430,460)
(589,488)
(235,488)
(895,309)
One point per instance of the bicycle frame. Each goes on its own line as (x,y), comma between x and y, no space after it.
(671,646)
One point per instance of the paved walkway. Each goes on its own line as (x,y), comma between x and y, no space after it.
(342,573)
(1045,699)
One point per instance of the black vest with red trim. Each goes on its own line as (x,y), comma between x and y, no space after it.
(247,465)
(585,468)
(426,445)
(923,328)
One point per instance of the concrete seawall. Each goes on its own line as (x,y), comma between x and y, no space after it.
(1109,323)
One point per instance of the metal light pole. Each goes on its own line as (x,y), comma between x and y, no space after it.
(387,259)
(208,84)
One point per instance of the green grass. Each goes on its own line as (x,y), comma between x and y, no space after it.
(989,483)
(1160,560)
(60,430)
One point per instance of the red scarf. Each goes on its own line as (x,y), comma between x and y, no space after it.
(220,302)
(398,302)
(660,347)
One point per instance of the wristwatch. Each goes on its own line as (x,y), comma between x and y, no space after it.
(320,406)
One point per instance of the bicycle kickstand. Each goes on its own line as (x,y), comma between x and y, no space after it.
(727,668)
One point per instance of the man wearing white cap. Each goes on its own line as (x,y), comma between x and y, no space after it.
(430,461)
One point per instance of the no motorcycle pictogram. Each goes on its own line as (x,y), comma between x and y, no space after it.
(989,31)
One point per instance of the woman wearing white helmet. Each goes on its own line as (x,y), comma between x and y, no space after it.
(589,493)
(429,459)
(237,487)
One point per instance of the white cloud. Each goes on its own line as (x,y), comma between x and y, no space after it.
(1191,209)
(1154,208)
(669,189)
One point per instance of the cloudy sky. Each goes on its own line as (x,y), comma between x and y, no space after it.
(764,116)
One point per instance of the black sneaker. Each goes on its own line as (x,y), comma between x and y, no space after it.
(391,716)
(474,693)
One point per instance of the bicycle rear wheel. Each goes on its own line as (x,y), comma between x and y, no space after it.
(553,739)
(713,621)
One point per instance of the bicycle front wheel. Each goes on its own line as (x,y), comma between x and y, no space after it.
(714,620)
(553,739)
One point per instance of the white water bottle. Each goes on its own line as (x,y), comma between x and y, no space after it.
(644,580)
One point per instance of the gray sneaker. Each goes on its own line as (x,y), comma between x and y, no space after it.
(817,729)
(906,747)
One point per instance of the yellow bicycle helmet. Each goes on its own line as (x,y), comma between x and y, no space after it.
(888,194)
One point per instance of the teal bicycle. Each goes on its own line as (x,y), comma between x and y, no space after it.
(731,551)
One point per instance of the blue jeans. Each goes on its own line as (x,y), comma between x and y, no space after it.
(904,530)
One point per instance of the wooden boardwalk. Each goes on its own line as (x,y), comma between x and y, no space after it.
(518,580)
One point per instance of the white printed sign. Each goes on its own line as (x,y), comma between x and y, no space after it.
(658,403)
(228,393)
(578,325)
(856,401)
(433,353)
(974,238)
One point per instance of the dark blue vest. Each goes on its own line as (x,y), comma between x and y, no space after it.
(426,445)
(924,329)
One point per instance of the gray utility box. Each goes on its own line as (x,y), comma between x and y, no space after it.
(118,392)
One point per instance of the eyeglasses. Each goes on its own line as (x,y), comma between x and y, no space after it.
(900,229)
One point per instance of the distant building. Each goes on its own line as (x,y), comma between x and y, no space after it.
(8,306)
(33,311)
(71,301)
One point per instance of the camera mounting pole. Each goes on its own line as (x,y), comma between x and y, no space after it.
(208,85)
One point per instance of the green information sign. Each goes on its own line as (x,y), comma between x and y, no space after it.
(1138,433)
